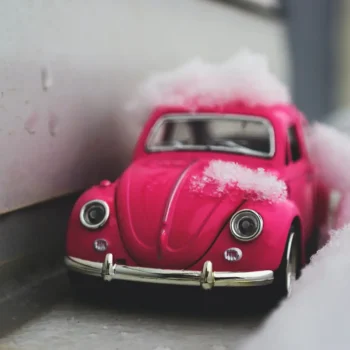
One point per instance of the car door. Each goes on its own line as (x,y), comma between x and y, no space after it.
(300,176)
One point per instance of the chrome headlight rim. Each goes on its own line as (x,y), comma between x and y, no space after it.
(241,214)
(102,222)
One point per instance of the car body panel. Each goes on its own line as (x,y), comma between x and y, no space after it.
(162,221)
(266,251)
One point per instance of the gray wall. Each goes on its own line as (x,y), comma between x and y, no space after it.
(313,36)
(66,68)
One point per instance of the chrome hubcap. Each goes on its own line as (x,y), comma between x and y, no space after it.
(292,265)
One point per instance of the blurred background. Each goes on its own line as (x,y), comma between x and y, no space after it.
(68,66)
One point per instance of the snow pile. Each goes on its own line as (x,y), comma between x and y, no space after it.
(329,150)
(342,212)
(315,317)
(341,119)
(221,177)
(244,77)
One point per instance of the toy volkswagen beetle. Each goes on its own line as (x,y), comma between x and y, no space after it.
(220,197)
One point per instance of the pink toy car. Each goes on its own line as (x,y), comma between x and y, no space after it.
(220,197)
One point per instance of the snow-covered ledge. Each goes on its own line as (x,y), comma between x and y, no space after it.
(315,317)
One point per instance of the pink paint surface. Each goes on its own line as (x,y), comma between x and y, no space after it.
(158,219)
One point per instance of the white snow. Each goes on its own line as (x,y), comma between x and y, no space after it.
(316,316)
(329,150)
(340,119)
(342,212)
(245,76)
(224,176)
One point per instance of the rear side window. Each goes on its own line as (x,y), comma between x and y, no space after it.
(295,149)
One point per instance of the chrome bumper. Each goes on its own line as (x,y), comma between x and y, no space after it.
(206,278)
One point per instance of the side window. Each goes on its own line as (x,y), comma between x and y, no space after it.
(295,149)
(287,154)
(182,133)
(170,132)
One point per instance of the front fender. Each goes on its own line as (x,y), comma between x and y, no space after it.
(263,253)
(80,240)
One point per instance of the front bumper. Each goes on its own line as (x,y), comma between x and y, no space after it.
(206,278)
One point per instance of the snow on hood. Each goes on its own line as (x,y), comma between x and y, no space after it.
(221,177)
(245,77)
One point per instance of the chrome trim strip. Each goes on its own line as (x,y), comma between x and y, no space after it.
(166,214)
(175,190)
(206,279)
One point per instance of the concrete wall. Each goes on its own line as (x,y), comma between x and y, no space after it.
(344,56)
(313,33)
(66,67)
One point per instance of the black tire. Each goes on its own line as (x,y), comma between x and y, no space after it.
(84,287)
(289,269)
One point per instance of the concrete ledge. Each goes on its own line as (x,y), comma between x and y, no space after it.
(32,274)
(33,237)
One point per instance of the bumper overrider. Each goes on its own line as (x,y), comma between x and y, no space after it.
(206,279)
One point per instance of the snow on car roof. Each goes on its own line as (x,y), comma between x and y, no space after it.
(244,77)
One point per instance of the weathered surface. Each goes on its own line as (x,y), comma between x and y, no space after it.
(145,318)
(68,67)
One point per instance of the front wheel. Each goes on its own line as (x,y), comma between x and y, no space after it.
(289,269)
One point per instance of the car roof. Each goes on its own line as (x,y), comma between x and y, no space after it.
(277,114)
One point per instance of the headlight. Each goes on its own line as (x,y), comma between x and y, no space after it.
(94,214)
(246,225)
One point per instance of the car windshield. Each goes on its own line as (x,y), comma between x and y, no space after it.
(242,134)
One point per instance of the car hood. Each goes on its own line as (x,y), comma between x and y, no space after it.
(164,223)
